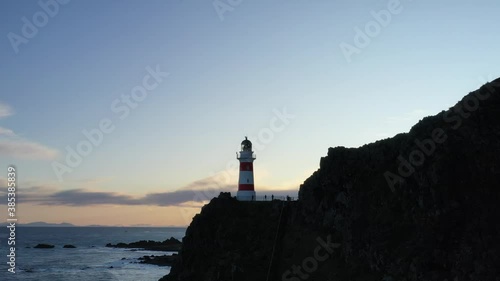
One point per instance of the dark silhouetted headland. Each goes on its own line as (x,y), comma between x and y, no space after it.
(423,205)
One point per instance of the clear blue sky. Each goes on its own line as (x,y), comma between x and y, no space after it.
(227,76)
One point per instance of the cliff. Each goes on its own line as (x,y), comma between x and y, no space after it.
(229,240)
(424,205)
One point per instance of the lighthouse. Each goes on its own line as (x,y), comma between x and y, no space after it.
(246,190)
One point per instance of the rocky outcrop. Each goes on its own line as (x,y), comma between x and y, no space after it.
(229,240)
(44,246)
(171,244)
(424,205)
(165,260)
(68,246)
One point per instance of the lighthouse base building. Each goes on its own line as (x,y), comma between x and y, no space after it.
(246,191)
(245,195)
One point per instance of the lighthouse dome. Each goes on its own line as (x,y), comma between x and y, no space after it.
(246,145)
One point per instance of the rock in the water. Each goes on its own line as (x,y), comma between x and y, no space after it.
(69,246)
(171,244)
(44,246)
(164,260)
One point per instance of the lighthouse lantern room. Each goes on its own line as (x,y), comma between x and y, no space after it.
(246,191)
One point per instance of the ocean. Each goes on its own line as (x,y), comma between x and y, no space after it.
(90,261)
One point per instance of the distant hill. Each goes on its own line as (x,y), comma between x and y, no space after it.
(42,224)
(66,224)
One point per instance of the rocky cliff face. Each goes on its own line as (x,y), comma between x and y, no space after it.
(229,240)
(424,205)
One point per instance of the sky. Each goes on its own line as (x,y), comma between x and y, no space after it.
(130,112)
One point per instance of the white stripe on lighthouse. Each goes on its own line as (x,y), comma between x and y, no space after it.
(246,177)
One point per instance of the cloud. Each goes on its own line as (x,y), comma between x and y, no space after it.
(5,110)
(7,132)
(39,190)
(3,184)
(79,197)
(90,181)
(29,194)
(24,149)
(186,196)
(14,146)
(204,184)
(179,197)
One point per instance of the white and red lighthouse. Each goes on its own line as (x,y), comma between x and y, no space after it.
(246,191)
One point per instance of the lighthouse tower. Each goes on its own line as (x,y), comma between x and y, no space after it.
(246,190)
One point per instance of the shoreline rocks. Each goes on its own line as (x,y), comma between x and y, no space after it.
(44,246)
(170,245)
(165,260)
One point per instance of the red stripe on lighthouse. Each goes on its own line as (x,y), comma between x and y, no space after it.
(245,187)
(246,166)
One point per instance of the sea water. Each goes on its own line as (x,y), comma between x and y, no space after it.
(90,261)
